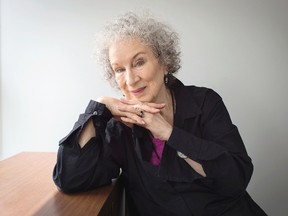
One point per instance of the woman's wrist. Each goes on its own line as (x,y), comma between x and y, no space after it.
(163,134)
(168,133)
(87,133)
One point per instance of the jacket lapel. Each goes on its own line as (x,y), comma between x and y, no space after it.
(186,106)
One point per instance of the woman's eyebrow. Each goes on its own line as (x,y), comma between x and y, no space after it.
(135,56)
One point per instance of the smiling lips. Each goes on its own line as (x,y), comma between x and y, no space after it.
(138,91)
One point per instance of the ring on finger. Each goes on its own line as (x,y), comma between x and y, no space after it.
(141,114)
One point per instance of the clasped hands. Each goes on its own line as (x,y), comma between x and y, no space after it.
(145,114)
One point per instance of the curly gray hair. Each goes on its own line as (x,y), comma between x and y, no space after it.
(163,41)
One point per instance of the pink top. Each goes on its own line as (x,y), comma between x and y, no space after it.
(157,154)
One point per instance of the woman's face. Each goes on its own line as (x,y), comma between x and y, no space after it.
(137,71)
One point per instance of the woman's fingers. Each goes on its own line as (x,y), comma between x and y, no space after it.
(137,112)
(126,101)
(136,106)
(138,109)
(156,105)
(136,102)
(133,119)
(152,107)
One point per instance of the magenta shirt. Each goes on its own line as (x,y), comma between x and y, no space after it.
(157,154)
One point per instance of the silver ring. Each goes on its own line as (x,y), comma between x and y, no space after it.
(141,114)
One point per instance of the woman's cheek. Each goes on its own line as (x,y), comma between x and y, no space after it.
(121,86)
(118,81)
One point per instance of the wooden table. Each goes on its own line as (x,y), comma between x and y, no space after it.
(27,188)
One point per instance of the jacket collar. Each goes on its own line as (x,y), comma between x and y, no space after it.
(186,106)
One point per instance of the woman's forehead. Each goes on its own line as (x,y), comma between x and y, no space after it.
(127,49)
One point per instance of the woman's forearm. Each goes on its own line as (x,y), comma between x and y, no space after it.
(87,133)
(196,166)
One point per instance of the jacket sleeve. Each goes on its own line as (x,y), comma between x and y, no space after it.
(81,169)
(219,148)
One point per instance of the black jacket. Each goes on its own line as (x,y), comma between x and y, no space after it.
(202,130)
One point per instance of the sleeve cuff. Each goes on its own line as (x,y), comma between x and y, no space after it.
(98,109)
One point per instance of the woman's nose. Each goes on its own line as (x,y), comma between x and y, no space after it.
(131,77)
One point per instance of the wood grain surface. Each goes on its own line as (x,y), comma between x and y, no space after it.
(27,188)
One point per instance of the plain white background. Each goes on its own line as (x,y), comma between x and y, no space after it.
(238,48)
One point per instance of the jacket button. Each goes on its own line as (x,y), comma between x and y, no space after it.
(95,113)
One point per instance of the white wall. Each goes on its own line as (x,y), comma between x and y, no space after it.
(0,84)
(239,48)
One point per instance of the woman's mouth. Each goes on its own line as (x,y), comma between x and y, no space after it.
(138,91)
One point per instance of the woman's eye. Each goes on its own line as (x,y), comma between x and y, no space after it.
(139,63)
(119,70)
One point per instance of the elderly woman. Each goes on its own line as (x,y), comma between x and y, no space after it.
(179,152)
